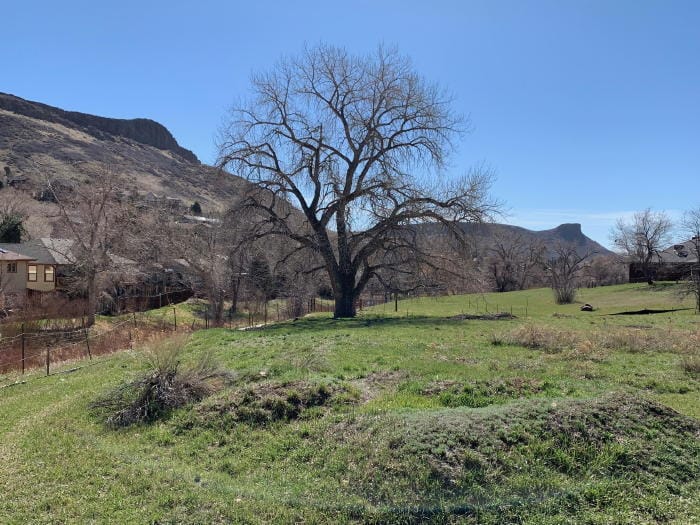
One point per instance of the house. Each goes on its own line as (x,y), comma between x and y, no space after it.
(44,260)
(20,273)
(31,267)
(672,264)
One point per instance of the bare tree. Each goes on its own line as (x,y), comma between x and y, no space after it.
(342,137)
(604,271)
(564,265)
(641,239)
(512,260)
(96,222)
(690,226)
(206,248)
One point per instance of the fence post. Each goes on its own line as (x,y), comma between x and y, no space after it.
(175,317)
(133,315)
(23,356)
(48,349)
(87,339)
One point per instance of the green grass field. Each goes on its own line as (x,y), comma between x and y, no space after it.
(556,416)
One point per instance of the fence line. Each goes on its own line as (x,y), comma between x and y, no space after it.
(35,349)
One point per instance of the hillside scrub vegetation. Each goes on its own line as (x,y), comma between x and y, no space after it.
(423,415)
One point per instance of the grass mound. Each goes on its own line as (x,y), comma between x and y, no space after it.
(267,402)
(531,460)
(477,394)
(165,387)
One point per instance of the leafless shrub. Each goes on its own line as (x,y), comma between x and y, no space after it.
(165,387)
(691,365)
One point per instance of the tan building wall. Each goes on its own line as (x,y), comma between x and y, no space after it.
(13,282)
(41,284)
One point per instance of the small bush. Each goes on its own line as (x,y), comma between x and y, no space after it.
(691,365)
(165,387)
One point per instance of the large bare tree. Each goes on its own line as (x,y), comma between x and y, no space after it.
(354,143)
(642,238)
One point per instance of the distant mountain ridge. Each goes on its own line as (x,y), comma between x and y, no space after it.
(567,233)
(142,130)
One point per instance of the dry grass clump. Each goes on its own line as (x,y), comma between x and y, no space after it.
(595,345)
(691,364)
(540,337)
(166,386)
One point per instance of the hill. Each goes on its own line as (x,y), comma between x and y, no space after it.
(556,416)
(566,233)
(38,142)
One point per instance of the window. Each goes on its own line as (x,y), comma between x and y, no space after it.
(12,267)
(48,274)
(31,272)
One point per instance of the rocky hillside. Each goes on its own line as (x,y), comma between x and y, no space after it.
(141,130)
(40,142)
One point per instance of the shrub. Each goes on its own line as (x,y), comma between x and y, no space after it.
(691,364)
(164,387)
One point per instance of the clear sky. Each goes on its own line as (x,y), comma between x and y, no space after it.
(586,110)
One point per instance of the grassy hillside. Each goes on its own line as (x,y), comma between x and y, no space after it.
(560,416)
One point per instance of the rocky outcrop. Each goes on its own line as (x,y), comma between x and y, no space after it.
(141,130)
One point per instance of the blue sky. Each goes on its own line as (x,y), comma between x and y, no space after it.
(585,110)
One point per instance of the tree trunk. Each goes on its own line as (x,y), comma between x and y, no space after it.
(345,306)
(345,297)
(91,299)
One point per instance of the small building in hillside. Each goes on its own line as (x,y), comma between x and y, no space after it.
(48,258)
(19,273)
(672,264)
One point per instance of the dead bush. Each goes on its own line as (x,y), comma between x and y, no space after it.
(691,365)
(164,387)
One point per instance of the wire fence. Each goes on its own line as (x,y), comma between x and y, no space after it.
(33,344)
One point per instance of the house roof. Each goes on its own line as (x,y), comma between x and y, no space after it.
(55,251)
(7,255)
(680,252)
(45,250)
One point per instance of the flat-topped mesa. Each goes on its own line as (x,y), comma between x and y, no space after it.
(570,232)
(145,131)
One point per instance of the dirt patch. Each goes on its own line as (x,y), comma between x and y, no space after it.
(375,383)
(501,316)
